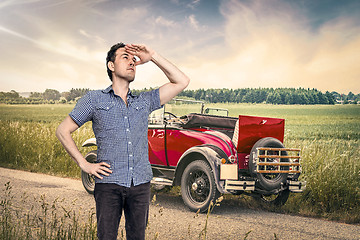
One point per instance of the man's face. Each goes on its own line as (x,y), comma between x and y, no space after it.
(123,66)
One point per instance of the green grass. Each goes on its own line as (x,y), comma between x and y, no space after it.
(329,137)
(47,113)
(28,140)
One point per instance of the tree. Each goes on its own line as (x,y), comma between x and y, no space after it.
(75,93)
(330,97)
(51,94)
(36,95)
(350,96)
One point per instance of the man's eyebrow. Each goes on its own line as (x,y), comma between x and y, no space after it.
(126,54)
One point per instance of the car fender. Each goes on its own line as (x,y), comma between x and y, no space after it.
(209,153)
(90,142)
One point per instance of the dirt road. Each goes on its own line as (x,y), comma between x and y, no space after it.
(172,220)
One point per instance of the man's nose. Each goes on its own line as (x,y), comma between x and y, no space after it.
(132,62)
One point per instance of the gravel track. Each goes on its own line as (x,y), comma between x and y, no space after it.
(170,219)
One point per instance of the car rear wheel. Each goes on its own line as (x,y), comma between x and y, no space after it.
(274,199)
(87,179)
(198,188)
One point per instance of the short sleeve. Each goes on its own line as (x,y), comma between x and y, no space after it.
(154,100)
(83,110)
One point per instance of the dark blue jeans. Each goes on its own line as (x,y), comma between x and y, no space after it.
(111,200)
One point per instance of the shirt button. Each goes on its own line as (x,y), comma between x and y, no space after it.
(128,130)
(131,168)
(107,108)
(130,155)
(125,117)
(129,142)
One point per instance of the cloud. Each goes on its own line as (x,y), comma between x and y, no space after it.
(251,44)
(273,47)
(9,3)
(164,22)
(59,46)
(193,22)
(16,34)
(193,4)
(92,36)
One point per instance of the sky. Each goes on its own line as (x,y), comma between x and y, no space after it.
(62,44)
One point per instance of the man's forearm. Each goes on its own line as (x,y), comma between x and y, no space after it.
(63,132)
(174,74)
(178,80)
(70,146)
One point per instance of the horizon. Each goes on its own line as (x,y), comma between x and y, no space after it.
(267,44)
(341,93)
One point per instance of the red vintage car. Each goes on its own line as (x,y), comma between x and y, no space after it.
(209,154)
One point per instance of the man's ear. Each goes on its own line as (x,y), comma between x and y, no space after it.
(111,65)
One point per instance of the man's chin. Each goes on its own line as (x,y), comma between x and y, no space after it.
(131,80)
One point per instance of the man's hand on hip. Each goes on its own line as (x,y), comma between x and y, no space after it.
(96,169)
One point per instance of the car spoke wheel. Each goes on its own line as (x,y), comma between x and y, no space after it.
(198,188)
(87,179)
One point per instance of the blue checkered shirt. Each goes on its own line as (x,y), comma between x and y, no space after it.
(120,131)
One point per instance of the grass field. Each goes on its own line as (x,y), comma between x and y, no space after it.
(329,137)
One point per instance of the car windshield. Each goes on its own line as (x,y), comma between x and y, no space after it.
(181,107)
(177,108)
(217,111)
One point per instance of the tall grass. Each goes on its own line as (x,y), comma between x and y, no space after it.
(329,137)
(41,219)
(28,141)
(22,217)
(33,146)
(331,169)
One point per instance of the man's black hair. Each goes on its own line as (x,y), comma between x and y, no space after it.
(111,56)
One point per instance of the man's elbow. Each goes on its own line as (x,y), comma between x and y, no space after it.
(62,131)
(58,132)
(186,82)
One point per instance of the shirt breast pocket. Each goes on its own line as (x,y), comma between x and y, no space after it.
(142,113)
(106,115)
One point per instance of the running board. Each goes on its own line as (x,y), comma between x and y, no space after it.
(161,181)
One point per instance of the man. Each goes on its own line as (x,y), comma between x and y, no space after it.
(119,118)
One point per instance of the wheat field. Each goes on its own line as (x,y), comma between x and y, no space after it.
(328,136)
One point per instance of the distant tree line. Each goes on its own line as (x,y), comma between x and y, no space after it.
(270,95)
(287,96)
(50,96)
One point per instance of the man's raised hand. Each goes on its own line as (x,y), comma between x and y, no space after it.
(143,52)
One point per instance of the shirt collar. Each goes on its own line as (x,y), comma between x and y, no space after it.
(109,89)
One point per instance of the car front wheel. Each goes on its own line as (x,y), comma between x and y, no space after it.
(198,188)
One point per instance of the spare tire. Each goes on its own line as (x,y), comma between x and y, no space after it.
(268,181)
